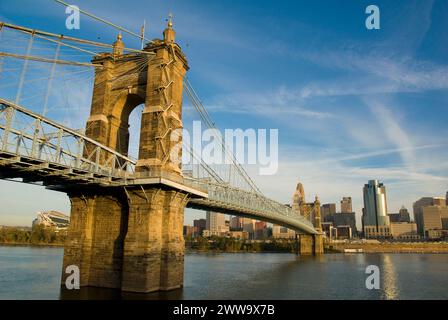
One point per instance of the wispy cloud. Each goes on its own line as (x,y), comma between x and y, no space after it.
(393,131)
(279,103)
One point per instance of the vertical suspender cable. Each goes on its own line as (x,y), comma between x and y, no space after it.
(50,80)
(25,67)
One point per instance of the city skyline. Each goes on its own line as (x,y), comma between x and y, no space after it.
(346,113)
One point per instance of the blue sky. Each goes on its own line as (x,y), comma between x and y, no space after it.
(350,104)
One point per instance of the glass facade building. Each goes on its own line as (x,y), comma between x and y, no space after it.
(375,205)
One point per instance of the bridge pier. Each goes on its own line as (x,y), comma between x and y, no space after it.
(153,257)
(311,244)
(133,244)
(132,238)
(95,237)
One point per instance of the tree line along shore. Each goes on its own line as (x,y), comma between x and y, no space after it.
(391,247)
(38,235)
(44,236)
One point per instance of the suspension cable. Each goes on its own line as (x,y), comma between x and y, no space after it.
(67,38)
(207,119)
(106,22)
(35,58)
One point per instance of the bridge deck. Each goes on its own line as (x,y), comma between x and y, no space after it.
(41,151)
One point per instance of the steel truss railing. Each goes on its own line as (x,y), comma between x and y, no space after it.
(227,199)
(34,145)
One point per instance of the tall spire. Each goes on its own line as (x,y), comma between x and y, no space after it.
(169,35)
(118,46)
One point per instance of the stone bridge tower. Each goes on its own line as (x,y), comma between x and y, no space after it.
(131,237)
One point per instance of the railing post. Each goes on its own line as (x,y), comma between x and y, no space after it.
(19,140)
(35,138)
(97,158)
(80,152)
(58,147)
(9,115)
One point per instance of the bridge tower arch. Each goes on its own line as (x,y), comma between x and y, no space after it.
(131,238)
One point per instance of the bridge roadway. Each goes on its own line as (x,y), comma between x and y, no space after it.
(41,151)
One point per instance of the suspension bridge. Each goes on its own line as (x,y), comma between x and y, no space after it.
(126,213)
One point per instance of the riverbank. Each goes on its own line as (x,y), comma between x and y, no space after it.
(391,247)
(383,247)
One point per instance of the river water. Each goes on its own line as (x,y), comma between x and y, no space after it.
(34,273)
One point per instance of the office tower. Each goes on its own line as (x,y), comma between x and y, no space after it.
(418,207)
(375,206)
(346,205)
(249,226)
(434,218)
(236,223)
(431,218)
(343,219)
(261,230)
(216,222)
(327,209)
(199,226)
(188,231)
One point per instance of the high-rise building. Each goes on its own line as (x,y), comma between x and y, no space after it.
(418,212)
(261,230)
(236,223)
(432,218)
(375,206)
(199,226)
(346,205)
(343,219)
(216,222)
(249,226)
(327,209)
(418,207)
(188,231)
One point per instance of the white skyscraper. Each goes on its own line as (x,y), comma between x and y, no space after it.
(216,222)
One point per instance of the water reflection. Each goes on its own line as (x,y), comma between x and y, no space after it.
(35,274)
(388,278)
(93,293)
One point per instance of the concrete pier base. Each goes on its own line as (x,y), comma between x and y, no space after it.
(153,256)
(133,244)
